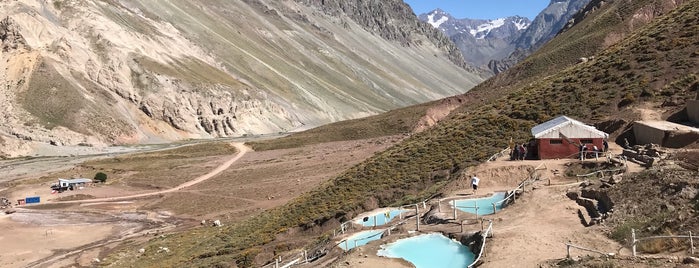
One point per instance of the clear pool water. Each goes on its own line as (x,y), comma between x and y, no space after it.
(361,238)
(429,251)
(485,205)
(381,218)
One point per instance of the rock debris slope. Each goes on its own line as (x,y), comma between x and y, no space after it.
(112,72)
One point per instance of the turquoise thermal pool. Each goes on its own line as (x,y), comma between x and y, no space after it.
(429,251)
(485,205)
(360,239)
(381,217)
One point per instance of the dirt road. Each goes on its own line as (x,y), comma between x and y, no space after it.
(242,150)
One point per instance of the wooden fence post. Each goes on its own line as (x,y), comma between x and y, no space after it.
(568,251)
(691,243)
(417,216)
(439,205)
(455,218)
(475,205)
(494,210)
(633,241)
(374,220)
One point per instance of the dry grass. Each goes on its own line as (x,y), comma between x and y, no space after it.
(162,169)
(153,170)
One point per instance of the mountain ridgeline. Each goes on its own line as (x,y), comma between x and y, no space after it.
(115,72)
(501,43)
(645,51)
(479,40)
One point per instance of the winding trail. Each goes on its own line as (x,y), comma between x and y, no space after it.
(242,150)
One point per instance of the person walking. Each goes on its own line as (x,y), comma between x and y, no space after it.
(474,183)
(523,151)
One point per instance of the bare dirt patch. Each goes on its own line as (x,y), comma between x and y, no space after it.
(266,179)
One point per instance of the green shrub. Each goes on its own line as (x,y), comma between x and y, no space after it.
(101,177)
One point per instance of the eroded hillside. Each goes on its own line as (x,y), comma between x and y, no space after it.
(112,72)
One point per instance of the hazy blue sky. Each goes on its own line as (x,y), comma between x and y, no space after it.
(481,9)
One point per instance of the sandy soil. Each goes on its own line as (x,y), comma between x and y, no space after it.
(246,183)
(25,243)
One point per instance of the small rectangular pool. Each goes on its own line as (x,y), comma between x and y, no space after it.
(360,239)
(381,218)
(485,205)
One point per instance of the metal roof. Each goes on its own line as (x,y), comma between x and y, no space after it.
(575,129)
(75,181)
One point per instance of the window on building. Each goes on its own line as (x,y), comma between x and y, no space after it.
(585,141)
(557,141)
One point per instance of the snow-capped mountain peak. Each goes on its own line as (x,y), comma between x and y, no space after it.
(480,40)
(437,17)
(478,28)
(487,26)
(481,31)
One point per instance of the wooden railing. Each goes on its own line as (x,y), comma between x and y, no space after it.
(482,251)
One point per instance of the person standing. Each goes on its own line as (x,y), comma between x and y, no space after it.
(474,183)
(523,151)
(605,143)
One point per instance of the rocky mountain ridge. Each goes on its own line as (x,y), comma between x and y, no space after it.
(113,72)
(543,28)
(479,40)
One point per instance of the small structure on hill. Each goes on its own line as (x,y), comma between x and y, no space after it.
(562,136)
(72,184)
(664,133)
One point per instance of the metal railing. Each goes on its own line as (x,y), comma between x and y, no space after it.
(499,154)
(482,251)
(635,240)
(303,257)
(569,246)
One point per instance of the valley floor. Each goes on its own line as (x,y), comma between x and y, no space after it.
(81,227)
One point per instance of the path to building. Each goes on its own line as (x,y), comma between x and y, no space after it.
(242,150)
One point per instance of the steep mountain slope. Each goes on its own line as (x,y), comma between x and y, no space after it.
(658,61)
(542,29)
(480,41)
(109,72)
(605,24)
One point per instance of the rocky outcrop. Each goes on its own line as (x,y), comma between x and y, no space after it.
(542,29)
(10,37)
(596,203)
(393,20)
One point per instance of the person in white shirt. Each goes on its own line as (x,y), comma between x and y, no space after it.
(474,183)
